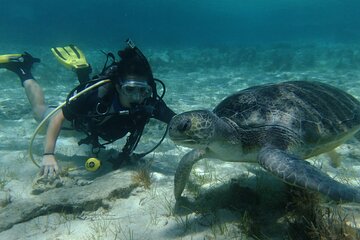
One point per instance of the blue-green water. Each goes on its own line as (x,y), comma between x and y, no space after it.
(203,51)
(170,22)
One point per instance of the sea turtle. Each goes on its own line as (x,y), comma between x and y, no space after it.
(275,125)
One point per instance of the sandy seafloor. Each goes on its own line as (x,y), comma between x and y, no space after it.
(195,79)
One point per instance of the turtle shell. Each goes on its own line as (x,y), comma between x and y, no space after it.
(314,112)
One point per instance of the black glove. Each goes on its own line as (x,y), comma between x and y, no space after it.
(136,157)
(124,157)
(120,160)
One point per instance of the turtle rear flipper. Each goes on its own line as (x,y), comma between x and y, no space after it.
(300,173)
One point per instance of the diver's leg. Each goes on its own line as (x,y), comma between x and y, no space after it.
(21,65)
(36,98)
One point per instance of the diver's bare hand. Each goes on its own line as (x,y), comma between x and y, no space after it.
(49,166)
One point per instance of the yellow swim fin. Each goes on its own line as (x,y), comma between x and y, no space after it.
(71,57)
(10,58)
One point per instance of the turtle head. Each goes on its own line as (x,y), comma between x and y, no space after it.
(195,129)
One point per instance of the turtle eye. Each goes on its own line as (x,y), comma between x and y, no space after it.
(184,125)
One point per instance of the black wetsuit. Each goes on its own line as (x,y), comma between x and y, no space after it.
(105,117)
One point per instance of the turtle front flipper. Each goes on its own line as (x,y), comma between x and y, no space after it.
(183,170)
(298,172)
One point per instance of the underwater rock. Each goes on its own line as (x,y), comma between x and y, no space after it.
(114,185)
(4,198)
(42,184)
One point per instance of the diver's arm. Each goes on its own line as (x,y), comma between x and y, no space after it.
(49,163)
(163,112)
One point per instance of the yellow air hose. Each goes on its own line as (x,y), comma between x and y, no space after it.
(41,124)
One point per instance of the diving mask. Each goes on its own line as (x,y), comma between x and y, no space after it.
(135,90)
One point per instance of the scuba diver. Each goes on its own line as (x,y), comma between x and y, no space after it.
(124,104)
